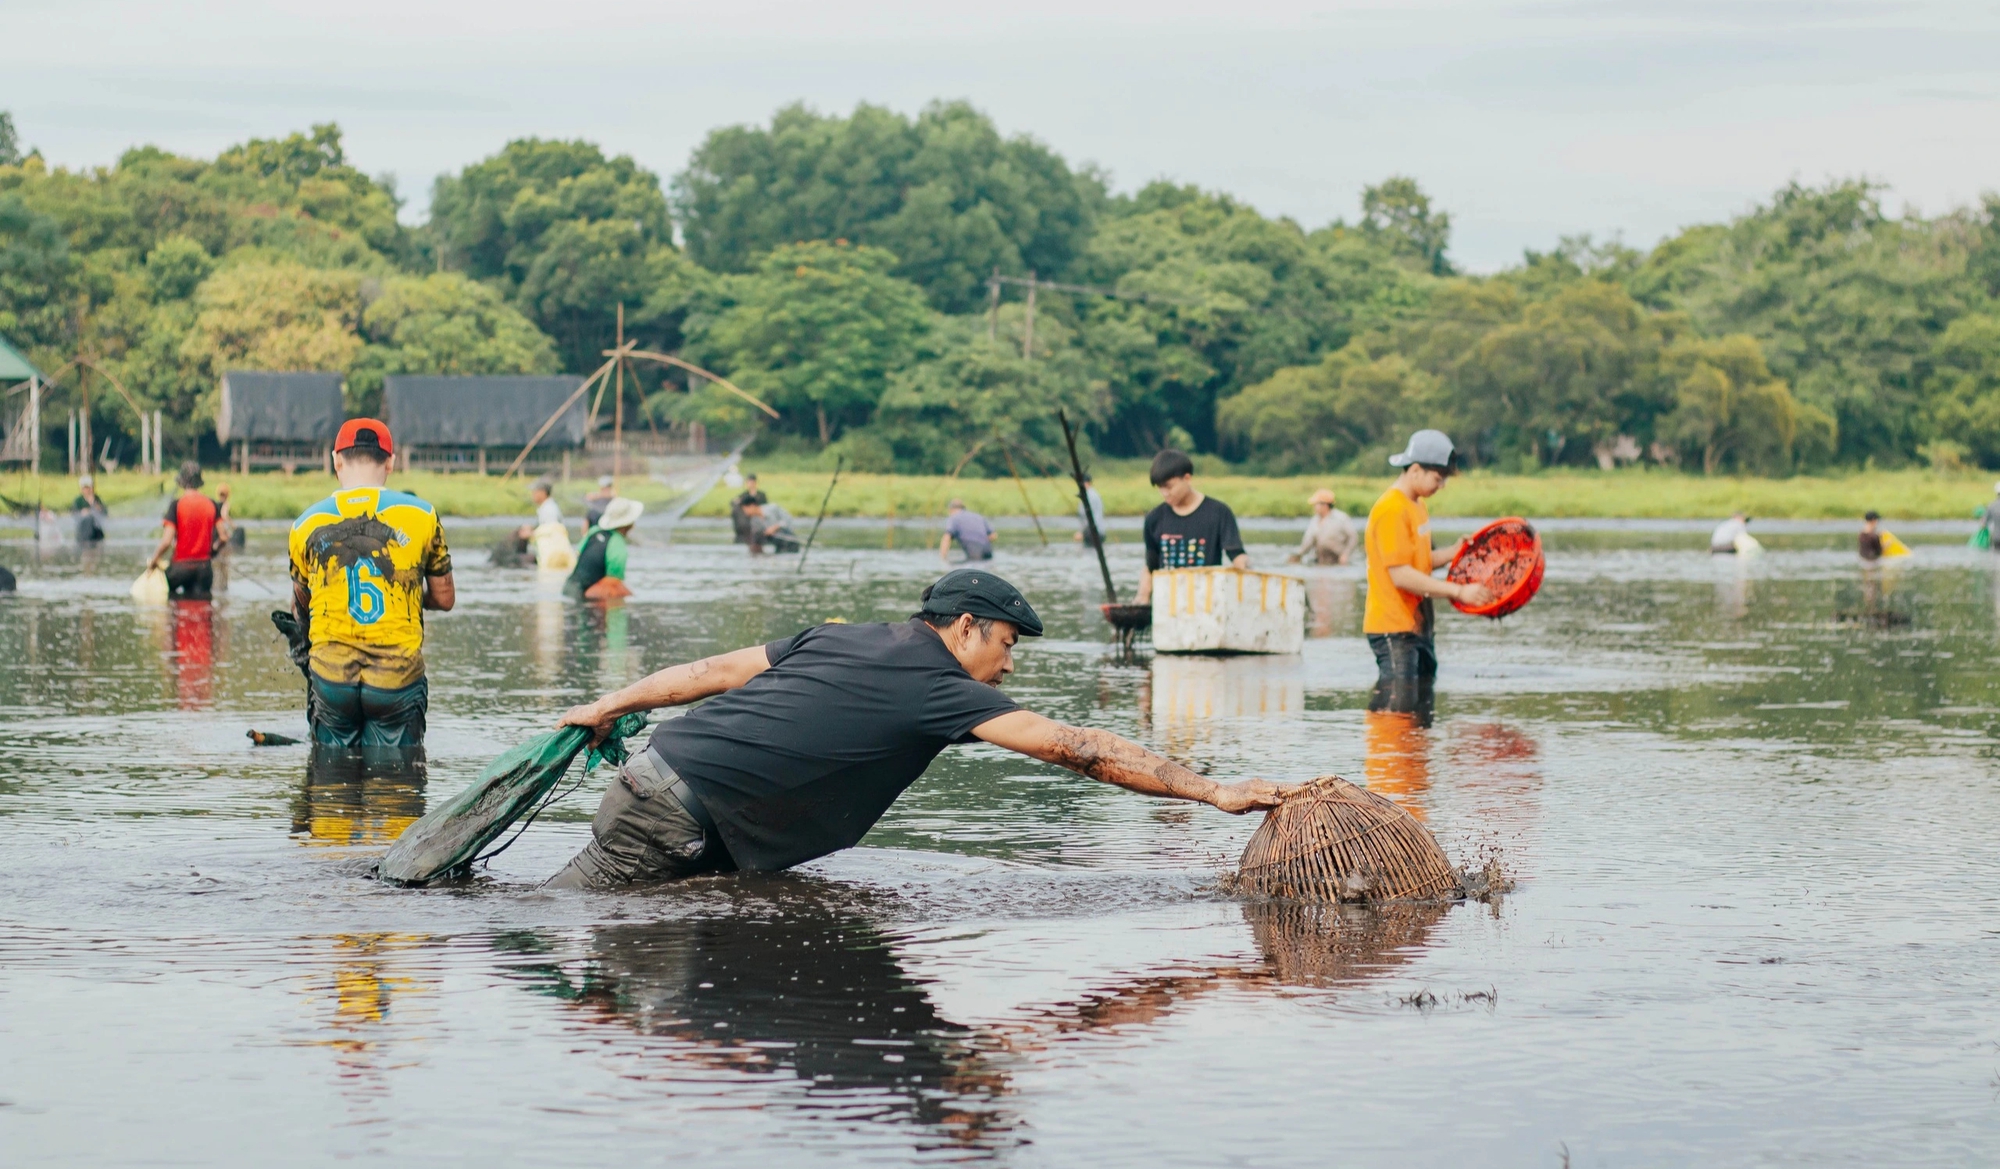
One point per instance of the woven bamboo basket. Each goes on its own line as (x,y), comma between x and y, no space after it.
(1332,841)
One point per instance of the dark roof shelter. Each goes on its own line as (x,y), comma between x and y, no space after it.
(262,406)
(495,410)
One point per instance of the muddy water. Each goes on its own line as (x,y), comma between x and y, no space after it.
(1758,851)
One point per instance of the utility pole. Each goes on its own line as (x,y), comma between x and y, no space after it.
(993,307)
(1028,329)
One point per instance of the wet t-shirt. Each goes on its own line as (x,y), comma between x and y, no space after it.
(362,555)
(972,532)
(804,758)
(193,518)
(1202,538)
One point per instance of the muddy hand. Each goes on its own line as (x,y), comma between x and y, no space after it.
(1252,795)
(1475,595)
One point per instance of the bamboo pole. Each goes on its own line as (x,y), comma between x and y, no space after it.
(567,403)
(1024,493)
(838,463)
(1089,517)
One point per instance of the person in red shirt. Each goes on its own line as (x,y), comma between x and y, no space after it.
(193,522)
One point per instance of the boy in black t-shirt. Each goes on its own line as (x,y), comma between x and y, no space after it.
(1188,529)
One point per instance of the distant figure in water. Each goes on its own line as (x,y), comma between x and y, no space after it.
(1723,539)
(1871,537)
(89,511)
(971,531)
(602,554)
(6,580)
(1989,517)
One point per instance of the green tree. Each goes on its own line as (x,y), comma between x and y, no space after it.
(10,142)
(1729,411)
(1315,418)
(816,332)
(1965,386)
(1846,302)
(1217,298)
(971,389)
(945,192)
(442,323)
(567,233)
(1398,214)
(37,274)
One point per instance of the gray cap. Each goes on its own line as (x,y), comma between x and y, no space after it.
(980,593)
(1430,447)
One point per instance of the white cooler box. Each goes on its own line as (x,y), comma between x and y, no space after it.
(1228,610)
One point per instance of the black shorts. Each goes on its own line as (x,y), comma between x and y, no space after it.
(353,715)
(191,580)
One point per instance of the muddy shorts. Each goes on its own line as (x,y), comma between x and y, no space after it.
(648,827)
(353,715)
(191,580)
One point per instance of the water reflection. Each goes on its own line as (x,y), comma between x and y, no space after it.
(359,795)
(1398,761)
(803,989)
(194,653)
(1193,695)
(1329,603)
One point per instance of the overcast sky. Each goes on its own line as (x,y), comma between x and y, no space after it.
(1526,121)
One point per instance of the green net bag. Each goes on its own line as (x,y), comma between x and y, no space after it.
(452,835)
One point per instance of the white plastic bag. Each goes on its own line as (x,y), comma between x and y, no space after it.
(151,587)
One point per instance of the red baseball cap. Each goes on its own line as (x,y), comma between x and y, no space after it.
(364,432)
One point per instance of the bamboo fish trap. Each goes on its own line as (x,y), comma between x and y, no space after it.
(1331,841)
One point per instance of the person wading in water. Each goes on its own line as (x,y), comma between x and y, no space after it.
(195,527)
(1188,529)
(366,562)
(805,742)
(1399,617)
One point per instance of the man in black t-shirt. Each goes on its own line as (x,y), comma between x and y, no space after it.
(805,742)
(1188,529)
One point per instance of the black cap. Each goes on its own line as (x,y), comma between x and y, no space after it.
(982,594)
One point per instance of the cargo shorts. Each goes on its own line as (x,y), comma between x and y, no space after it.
(642,832)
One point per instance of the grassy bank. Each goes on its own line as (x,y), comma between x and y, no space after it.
(1636,493)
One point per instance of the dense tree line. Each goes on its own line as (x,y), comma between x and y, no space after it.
(841,267)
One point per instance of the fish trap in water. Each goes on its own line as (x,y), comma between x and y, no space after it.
(1332,841)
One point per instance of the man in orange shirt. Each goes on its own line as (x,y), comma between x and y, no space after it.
(1398,616)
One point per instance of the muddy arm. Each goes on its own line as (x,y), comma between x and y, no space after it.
(1104,756)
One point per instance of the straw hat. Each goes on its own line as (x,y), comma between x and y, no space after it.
(621,513)
(1323,495)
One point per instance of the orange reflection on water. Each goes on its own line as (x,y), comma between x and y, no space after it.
(1398,763)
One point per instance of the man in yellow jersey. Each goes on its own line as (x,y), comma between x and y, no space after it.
(366,562)
(1398,616)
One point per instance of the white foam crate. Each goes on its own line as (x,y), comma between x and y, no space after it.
(1228,610)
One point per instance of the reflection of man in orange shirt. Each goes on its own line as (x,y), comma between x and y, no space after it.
(1398,762)
(1398,615)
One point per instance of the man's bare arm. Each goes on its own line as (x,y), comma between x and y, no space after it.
(160,550)
(673,686)
(1104,756)
(1408,579)
(440,593)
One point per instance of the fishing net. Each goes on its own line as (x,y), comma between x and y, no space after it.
(1506,557)
(1332,841)
(521,782)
